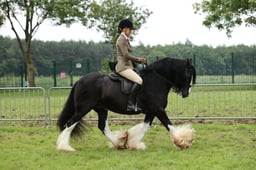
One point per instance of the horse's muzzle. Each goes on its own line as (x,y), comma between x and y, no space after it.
(184,93)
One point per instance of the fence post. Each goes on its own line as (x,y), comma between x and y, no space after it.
(71,73)
(253,65)
(21,75)
(87,65)
(26,75)
(232,68)
(54,74)
(194,60)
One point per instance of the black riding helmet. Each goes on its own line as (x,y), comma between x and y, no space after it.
(125,23)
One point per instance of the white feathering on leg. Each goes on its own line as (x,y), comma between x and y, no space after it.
(118,139)
(63,139)
(182,136)
(136,134)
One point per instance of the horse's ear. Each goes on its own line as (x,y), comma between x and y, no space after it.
(189,61)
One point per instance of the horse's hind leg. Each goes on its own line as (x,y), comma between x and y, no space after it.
(118,139)
(64,137)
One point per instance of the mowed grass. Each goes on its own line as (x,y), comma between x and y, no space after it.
(217,146)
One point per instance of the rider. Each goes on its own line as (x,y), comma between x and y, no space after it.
(125,60)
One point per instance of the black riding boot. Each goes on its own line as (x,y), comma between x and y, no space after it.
(132,106)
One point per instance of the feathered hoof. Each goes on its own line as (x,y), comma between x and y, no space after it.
(136,146)
(183,136)
(121,139)
(64,147)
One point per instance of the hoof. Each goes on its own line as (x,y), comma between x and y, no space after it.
(137,146)
(61,147)
(121,140)
(183,136)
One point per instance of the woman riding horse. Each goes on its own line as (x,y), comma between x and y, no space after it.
(125,61)
(98,92)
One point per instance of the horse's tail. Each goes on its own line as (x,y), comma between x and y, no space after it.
(67,112)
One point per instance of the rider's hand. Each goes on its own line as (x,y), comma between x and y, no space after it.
(143,60)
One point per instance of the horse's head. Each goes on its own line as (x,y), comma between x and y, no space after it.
(186,79)
(180,74)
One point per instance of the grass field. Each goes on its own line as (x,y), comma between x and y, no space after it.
(218,146)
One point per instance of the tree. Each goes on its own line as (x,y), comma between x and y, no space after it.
(1,20)
(226,14)
(104,16)
(28,15)
(107,15)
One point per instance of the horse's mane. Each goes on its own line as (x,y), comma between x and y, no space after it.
(167,61)
(168,64)
(165,64)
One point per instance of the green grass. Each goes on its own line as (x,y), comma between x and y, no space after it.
(217,146)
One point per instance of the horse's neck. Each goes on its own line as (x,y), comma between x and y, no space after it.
(156,81)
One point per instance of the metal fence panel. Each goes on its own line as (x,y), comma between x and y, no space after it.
(23,104)
(207,101)
(215,101)
(57,97)
(212,101)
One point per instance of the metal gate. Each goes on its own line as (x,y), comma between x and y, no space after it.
(23,104)
(211,101)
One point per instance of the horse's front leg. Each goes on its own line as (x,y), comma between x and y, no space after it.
(137,132)
(181,136)
(118,139)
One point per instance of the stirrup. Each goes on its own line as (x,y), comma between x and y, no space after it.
(133,107)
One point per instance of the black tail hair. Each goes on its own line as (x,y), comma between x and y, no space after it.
(68,110)
(66,114)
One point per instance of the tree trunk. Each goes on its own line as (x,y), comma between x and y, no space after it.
(30,70)
(31,75)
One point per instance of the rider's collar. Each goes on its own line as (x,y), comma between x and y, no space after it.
(125,36)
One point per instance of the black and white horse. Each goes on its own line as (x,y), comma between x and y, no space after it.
(99,92)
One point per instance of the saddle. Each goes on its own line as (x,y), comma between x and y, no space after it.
(126,84)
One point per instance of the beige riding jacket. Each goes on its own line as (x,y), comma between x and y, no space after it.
(124,54)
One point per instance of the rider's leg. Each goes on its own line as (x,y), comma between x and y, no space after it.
(132,98)
(133,76)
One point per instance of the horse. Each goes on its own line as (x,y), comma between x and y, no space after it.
(98,92)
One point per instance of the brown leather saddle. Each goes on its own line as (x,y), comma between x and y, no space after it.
(126,84)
